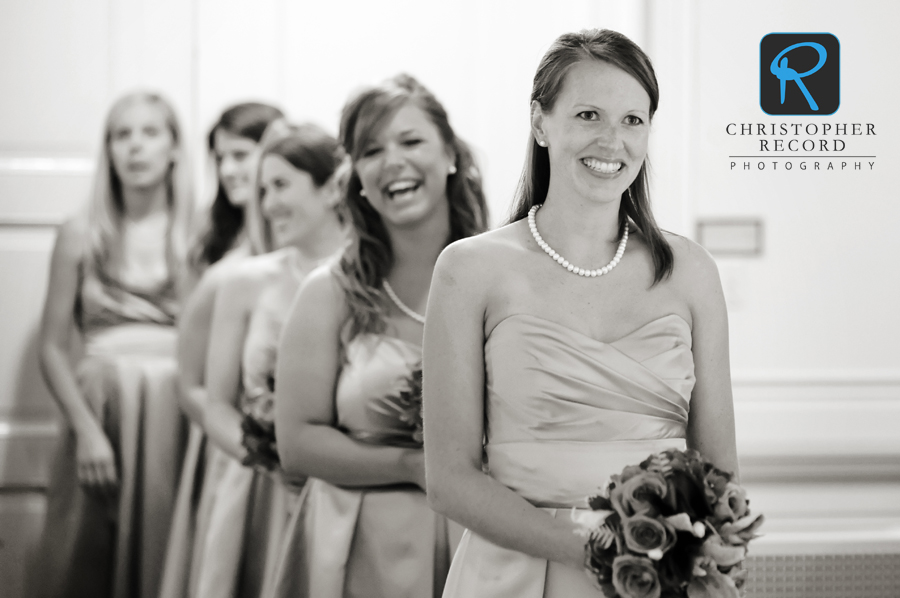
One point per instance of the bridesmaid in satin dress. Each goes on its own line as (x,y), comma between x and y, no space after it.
(352,340)
(575,341)
(233,144)
(115,280)
(300,206)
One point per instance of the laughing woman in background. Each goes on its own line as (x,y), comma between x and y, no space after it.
(114,277)
(234,144)
(351,345)
(300,207)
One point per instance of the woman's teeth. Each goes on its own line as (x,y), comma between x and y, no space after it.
(601,166)
(401,188)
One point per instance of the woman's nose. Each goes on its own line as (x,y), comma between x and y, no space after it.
(136,143)
(270,202)
(393,155)
(226,166)
(608,136)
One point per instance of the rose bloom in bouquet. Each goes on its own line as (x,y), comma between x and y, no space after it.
(258,427)
(672,526)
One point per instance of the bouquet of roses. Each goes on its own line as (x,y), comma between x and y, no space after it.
(404,410)
(673,526)
(258,427)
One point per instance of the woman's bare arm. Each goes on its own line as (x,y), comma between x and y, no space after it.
(194,328)
(96,461)
(231,315)
(711,419)
(306,377)
(454,415)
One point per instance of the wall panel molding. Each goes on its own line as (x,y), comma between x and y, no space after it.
(46,164)
(26,453)
(822,425)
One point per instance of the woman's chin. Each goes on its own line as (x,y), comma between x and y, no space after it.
(239,198)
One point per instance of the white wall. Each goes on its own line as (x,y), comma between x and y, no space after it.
(478,58)
(813,319)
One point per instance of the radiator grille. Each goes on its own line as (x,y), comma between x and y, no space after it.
(824,576)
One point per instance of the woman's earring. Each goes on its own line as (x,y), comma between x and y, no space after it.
(452,169)
(362,193)
(542,143)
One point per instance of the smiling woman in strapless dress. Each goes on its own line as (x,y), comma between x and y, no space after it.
(546,374)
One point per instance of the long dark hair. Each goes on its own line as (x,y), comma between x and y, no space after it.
(226,220)
(370,257)
(616,49)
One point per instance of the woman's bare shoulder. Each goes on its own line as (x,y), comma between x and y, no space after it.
(240,282)
(71,240)
(486,254)
(254,269)
(321,297)
(696,274)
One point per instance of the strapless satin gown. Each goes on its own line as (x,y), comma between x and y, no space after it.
(235,551)
(383,542)
(115,546)
(564,412)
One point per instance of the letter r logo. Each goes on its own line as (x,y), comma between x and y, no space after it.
(799,73)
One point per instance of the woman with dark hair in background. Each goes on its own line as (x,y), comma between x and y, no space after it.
(350,347)
(543,377)
(114,277)
(300,208)
(234,145)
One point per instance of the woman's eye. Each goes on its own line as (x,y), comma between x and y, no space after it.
(151,131)
(411,142)
(240,156)
(121,134)
(634,120)
(371,151)
(587,115)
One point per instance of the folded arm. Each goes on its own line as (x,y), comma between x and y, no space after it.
(230,319)
(309,443)
(194,328)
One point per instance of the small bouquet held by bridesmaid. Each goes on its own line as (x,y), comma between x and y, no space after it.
(672,526)
(258,427)
(403,409)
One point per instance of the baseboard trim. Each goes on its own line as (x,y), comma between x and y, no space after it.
(820,468)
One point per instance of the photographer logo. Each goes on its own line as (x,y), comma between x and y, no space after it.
(799,73)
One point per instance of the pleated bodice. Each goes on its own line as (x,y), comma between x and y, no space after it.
(557,398)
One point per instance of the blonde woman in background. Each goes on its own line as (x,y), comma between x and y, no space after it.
(115,280)
(234,145)
(300,211)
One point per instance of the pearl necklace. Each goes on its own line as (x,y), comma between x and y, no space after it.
(402,306)
(563,261)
